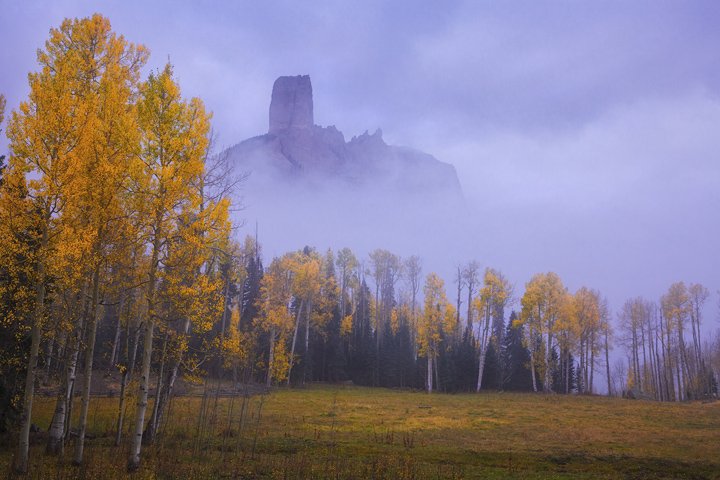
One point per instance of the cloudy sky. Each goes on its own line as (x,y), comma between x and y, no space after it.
(585,134)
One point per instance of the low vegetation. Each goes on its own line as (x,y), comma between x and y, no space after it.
(329,431)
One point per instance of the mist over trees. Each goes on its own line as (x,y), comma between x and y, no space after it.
(118,255)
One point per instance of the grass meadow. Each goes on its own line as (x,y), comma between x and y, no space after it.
(327,431)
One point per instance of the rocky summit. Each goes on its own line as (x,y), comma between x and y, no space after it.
(297,150)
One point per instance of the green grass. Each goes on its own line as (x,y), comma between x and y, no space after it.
(327,431)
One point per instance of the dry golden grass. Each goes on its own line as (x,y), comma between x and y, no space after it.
(350,432)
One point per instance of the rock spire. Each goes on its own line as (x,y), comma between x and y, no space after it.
(291,105)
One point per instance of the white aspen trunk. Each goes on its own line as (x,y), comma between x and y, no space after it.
(292,348)
(532,369)
(645,380)
(90,350)
(482,347)
(165,393)
(151,427)
(134,457)
(134,454)
(607,363)
(55,432)
(481,369)
(114,354)
(57,425)
(546,380)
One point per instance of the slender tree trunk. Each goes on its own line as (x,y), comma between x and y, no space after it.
(127,372)
(532,369)
(57,425)
(165,393)
(481,369)
(118,330)
(90,351)
(151,427)
(294,340)
(469,324)
(134,455)
(607,362)
(482,347)
(546,379)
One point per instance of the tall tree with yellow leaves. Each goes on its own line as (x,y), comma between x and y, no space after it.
(306,288)
(495,295)
(275,316)
(431,325)
(110,69)
(69,121)
(677,309)
(165,188)
(542,305)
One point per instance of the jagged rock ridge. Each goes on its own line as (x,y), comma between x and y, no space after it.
(295,148)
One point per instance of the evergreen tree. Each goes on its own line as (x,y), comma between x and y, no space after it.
(466,363)
(491,377)
(516,359)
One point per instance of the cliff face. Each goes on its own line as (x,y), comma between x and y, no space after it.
(291,105)
(295,149)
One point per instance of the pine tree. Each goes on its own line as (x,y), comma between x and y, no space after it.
(491,378)
(516,359)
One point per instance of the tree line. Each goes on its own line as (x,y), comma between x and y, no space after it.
(117,254)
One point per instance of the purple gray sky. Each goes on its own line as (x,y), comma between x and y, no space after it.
(585,134)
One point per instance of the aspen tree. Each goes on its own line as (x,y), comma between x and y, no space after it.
(542,305)
(53,134)
(586,322)
(470,274)
(173,136)
(495,295)
(386,271)
(431,326)
(190,300)
(110,67)
(677,309)
(698,297)
(413,272)
(275,317)
(306,287)
(460,281)
(347,264)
